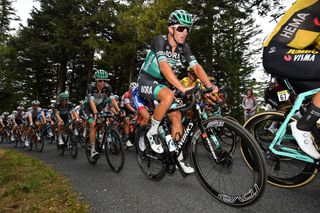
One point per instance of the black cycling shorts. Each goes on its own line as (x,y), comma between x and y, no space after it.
(149,86)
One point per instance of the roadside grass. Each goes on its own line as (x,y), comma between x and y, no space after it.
(28,185)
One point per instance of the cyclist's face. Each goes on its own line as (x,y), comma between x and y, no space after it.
(64,101)
(180,33)
(35,107)
(192,76)
(101,83)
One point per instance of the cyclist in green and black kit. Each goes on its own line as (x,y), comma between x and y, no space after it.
(99,96)
(166,54)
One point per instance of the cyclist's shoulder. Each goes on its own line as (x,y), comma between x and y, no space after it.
(160,38)
(159,41)
(71,105)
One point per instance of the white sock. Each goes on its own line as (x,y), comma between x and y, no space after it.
(154,126)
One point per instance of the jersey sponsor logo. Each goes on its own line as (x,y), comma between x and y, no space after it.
(184,137)
(316,21)
(296,52)
(287,57)
(292,27)
(175,56)
(146,89)
(272,50)
(305,57)
(300,58)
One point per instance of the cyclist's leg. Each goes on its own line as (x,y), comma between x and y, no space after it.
(176,127)
(140,105)
(145,115)
(87,113)
(280,61)
(152,89)
(176,133)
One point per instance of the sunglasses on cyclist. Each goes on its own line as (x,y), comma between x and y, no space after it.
(102,81)
(182,28)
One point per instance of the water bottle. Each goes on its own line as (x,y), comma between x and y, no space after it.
(171,144)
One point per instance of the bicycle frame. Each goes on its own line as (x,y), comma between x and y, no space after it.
(285,151)
(189,130)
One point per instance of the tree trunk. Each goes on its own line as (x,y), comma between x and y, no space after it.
(133,64)
(88,66)
(62,76)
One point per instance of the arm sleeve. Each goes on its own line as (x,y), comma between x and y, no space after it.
(191,59)
(89,94)
(159,47)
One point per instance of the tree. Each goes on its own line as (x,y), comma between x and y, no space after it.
(7,14)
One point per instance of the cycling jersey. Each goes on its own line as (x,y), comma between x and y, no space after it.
(4,120)
(36,114)
(101,98)
(187,82)
(125,99)
(64,111)
(77,109)
(299,28)
(151,80)
(292,50)
(161,50)
(19,118)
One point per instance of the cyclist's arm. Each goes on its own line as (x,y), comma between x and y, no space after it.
(197,68)
(202,75)
(30,118)
(93,106)
(129,107)
(167,72)
(43,118)
(115,104)
(14,121)
(58,117)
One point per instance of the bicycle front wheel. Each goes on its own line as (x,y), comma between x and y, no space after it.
(150,163)
(228,178)
(113,149)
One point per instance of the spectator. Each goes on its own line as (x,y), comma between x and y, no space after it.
(249,104)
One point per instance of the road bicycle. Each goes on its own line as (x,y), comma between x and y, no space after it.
(287,165)
(70,140)
(225,176)
(36,139)
(108,140)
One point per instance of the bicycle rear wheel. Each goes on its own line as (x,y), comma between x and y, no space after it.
(229,180)
(17,141)
(72,144)
(282,171)
(113,149)
(149,162)
(39,142)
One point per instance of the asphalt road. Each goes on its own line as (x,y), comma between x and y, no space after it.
(130,191)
